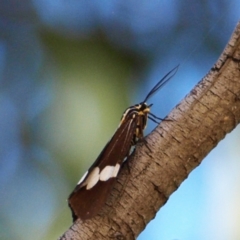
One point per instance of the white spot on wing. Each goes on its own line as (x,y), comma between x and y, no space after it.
(93,178)
(83,177)
(116,170)
(106,173)
(109,172)
(95,175)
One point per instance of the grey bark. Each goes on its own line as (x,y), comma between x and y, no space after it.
(199,122)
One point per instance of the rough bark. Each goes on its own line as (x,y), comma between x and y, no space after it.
(199,122)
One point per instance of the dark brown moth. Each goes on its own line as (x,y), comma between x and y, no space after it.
(91,192)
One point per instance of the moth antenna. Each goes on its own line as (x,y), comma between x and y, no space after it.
(162,82)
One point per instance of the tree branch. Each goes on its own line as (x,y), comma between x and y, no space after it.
(199,122)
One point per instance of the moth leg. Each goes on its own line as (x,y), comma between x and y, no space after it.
(154,117)
(128,167)
(132,149)
(144,141)
(146,144)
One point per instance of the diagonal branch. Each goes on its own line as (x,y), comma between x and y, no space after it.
(199,122)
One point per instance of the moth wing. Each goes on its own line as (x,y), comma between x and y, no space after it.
(86,203)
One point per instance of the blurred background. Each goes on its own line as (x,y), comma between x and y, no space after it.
(68,70)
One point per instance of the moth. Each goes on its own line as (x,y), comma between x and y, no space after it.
(91,192)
